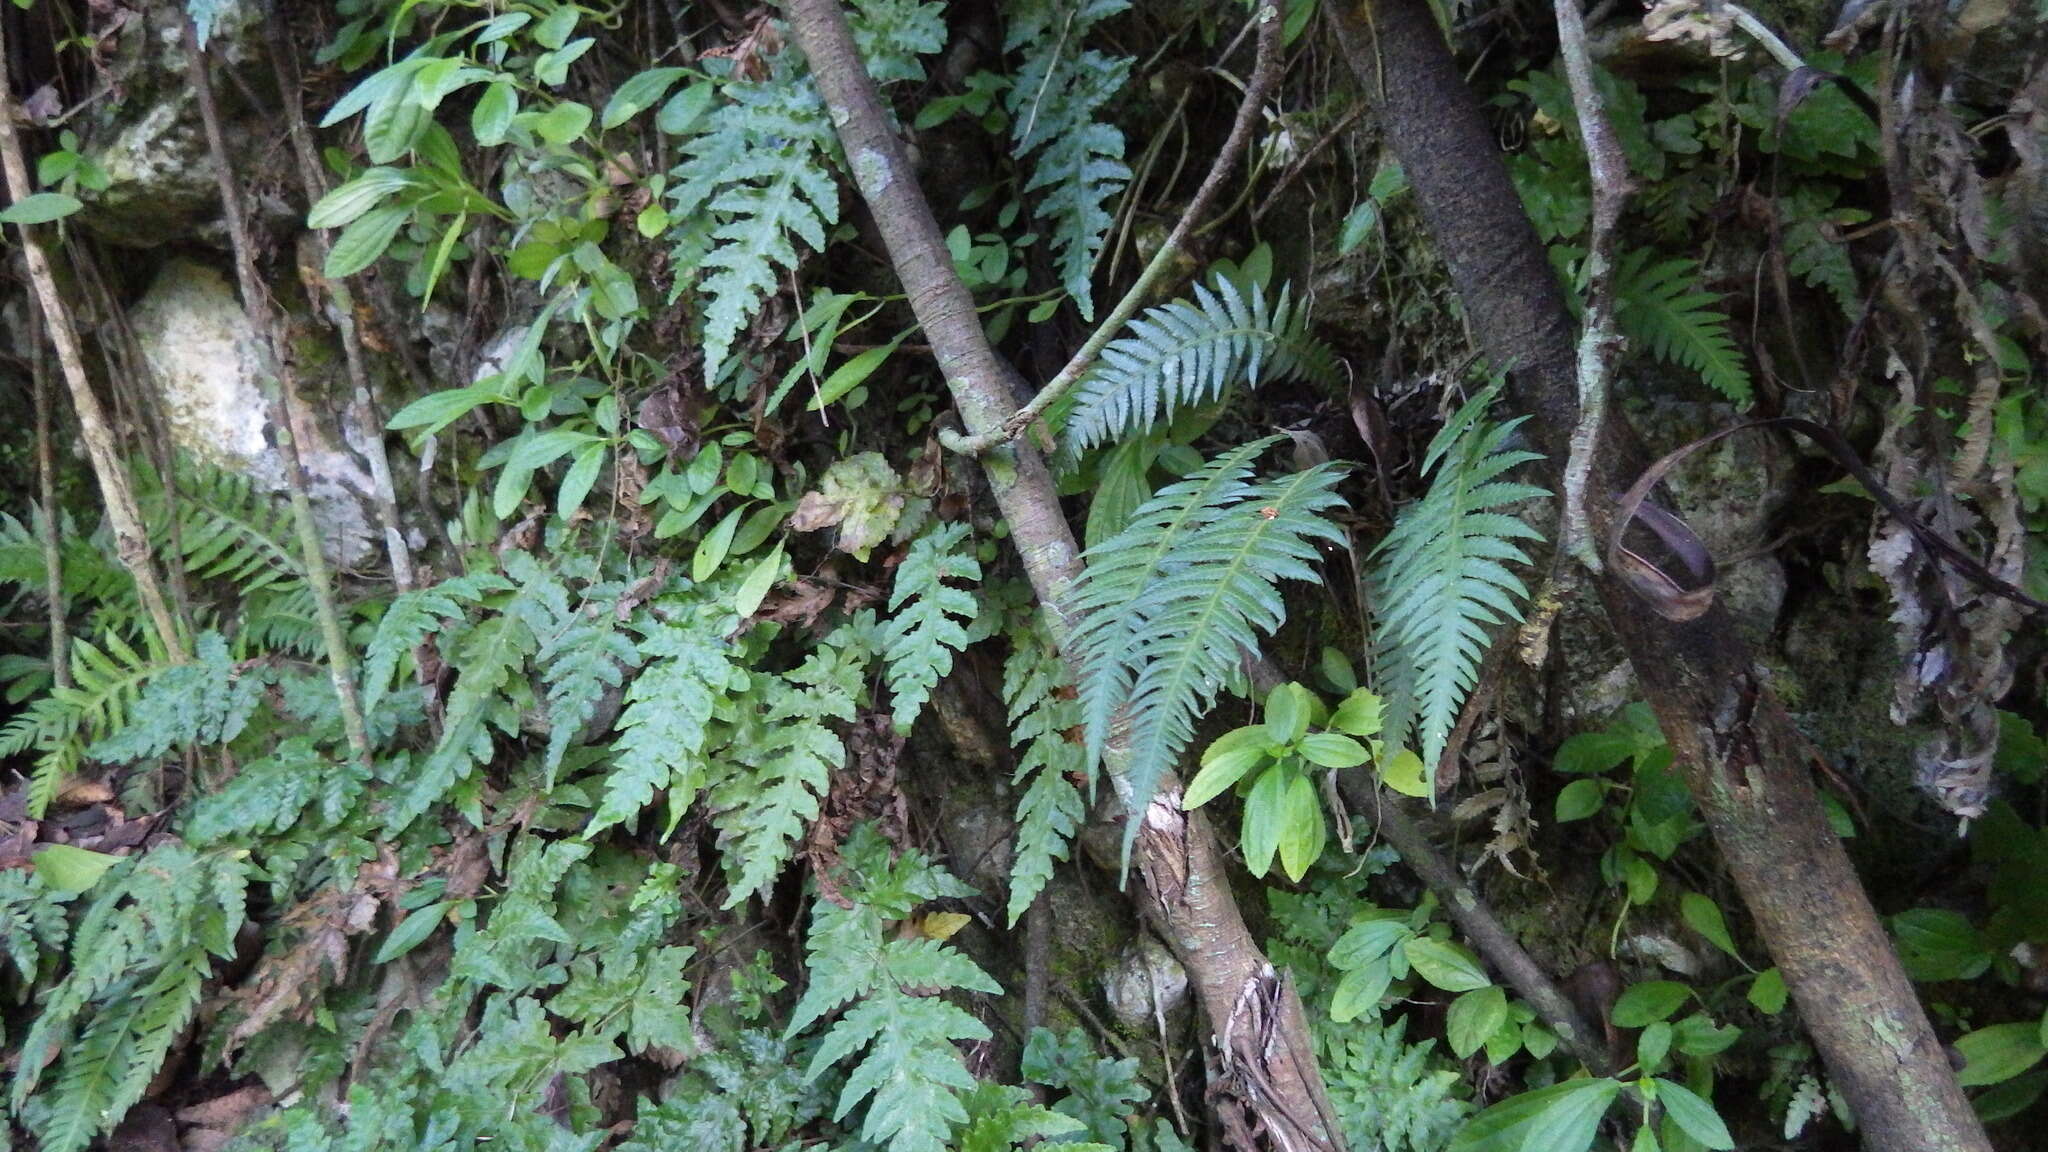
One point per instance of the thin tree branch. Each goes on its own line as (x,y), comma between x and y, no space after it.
(1265,69)
(1187,891)
(343,301)
(46,492)
(131,540)
(1598,341)
(291,417)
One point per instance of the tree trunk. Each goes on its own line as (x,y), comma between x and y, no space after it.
(1745,763)
(1255,1016)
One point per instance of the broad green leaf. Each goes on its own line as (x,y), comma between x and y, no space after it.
(1302,833)
(562,123)
(1653,1045)
(1693,1115)
(1451,967)
(1224,763)
(412,931)
(759,579)
(1705,917)
(1287,709)
(576,483)
(1936,944)
(1649,1001)
(344,204)
(712,550)
(363,241)
(1580,799)
(639,93)
(1265,816)
(1403,773)
(1767,992)
(1361,714)
(1360,991)
(1357,226)
(554,29)
(437,410)
(39,208)
(1332,750)
(852,374)
(1559,1118)
(1999,1053)
(67,868)
(1698,1035)
(492,117)
(684,109)
(1474,1017)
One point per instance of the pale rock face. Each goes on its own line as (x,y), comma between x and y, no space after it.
(1145,974)
(209,371)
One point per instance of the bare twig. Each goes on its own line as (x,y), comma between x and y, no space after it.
(343,302)
(46,492)
(1264,70)
(290,412)
(1599,340)
(131,541)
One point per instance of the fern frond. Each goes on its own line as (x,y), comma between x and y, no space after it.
(892,34)
(784,762)
(1186,353)
(412,617)
(1442,577)
(1166,607)
(759,167)
(1660,305)
(911,1075)
(931,619)
(587,657)
(90,574)
(1043,717)
(1211,609)
(204,702)
(106,680)
(1053,103)
(666,726)
(228,528)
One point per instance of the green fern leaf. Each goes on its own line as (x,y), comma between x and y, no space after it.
(207,701)
(106,681)
(1168,606)
(892,34)
(586,657)
(412,618)
(1186,353)
(1053,103)
(931,619)
(1660,306)
(910,1074)
(759,168)
(666,726)
(228,528)
(1442,577)
(1043,716)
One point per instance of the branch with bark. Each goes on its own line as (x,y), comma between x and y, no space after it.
(131,540)
(1255,1017)
(1742,758)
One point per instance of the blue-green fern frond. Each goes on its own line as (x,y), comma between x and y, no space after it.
(1186,353)
(1168,606)
(1442,577)
(1660,306)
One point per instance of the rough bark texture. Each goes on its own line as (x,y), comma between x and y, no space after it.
(1742,758)
(1255,1016)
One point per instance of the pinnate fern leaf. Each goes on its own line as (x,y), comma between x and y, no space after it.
(759,168)
(1660,305)
(1077,159)
(1168,606)
(1185,353)
(1442,577)
(1044,715)
(930,621)
(666,726)
(898,1034)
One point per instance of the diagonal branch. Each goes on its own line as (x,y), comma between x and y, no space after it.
(1186,888)
(131,540)
(1265,69)
(1599,341)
